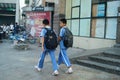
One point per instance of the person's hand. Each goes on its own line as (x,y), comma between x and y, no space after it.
(42,48)
(59,38)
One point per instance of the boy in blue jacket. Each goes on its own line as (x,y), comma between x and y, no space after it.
(45,51)
(63,57)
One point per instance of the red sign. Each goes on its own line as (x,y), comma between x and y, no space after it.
(34,21)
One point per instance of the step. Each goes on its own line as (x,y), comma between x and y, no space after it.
(117,45)
(100,66)
(112,54)
(106,60)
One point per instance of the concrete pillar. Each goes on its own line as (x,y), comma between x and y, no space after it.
(58,14)
(17,17)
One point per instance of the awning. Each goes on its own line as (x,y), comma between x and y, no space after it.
(8,6)
(7,9)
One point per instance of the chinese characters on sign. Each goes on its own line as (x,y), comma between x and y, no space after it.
(34,19)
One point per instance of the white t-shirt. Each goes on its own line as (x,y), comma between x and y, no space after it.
(32,31)
(11,27)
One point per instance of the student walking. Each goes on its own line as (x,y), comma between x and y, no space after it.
(63,57)
(45,50)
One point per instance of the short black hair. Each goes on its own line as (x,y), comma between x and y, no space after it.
(63,21)
(46,22)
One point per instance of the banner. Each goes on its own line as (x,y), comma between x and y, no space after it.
(34,22)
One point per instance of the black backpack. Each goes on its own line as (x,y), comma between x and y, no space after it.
(50,39)
(68,38)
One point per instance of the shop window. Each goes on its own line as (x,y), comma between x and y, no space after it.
(75,3)
(69,24)
(98,10)
(75,12)
(85,8)
(85,27)
(111,28)
(75,26)
(98,28)
(100,23)
(112,8)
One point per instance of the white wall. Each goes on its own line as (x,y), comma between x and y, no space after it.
(17,17)
(92,43)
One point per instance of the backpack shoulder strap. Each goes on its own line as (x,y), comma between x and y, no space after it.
(45,28)
(48,31)
(66,29)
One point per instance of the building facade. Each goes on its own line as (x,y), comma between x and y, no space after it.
(94,23)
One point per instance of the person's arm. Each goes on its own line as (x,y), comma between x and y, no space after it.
(42,40)
(42,34)
(60,37)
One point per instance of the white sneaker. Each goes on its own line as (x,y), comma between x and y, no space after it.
(38,69)
(55,73)
(69,71)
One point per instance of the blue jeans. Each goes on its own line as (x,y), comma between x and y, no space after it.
(63,58)
(52,56)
